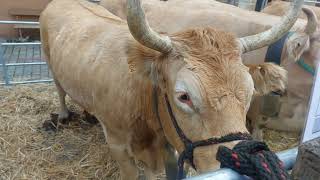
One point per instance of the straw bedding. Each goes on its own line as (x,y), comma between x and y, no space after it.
(77,151)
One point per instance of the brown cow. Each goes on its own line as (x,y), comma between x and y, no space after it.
(194,77)
(279,8)
(170,17)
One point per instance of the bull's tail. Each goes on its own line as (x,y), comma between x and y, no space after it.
(44,35)
(44,42)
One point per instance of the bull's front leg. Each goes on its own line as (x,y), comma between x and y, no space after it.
(127,165)
(255,120)
(64,112)
(63,115)
(257,129)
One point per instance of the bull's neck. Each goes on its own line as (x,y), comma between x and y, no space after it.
(309,59)
(147,99)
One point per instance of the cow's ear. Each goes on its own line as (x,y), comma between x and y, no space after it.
(314,52)
(296,45)
(141,59)
(268,77)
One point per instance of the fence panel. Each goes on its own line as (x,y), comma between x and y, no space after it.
(288,157)
(22,63)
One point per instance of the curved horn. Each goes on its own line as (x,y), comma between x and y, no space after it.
(250,43)
(141,30)
(312,21)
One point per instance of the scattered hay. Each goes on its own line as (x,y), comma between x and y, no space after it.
(28,152)
(279,141)
(77,151)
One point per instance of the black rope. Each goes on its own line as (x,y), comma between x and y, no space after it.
(254,159)
(189,146)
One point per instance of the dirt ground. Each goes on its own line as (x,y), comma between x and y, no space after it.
(76,151)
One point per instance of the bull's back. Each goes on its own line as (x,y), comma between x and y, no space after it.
(170,16)
(85,50)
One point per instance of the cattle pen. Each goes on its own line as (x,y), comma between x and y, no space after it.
(77,150)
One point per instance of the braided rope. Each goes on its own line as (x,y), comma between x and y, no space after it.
(254,159)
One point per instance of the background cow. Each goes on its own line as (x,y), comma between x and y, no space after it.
(118,72)
(279,8)
(170,16)
(300,77)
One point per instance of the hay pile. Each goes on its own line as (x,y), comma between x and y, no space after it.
(77,151)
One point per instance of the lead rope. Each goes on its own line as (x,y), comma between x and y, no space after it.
(254,159)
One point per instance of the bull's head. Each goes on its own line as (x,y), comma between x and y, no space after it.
(202,74)
(304,44)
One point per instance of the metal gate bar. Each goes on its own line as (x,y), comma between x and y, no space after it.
(288,157)
(23,61)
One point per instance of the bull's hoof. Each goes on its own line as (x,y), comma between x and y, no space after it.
(51,124)
(90,118)
(54,123)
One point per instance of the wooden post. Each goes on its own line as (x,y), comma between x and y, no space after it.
(308,161)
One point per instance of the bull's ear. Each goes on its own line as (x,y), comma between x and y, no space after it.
(141,59)
(314,52)
(268,77)
(296,45)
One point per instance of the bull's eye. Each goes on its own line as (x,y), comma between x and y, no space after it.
(185,98)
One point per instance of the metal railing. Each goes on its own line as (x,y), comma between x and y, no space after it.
(20,22)
(288,157)
(6,65)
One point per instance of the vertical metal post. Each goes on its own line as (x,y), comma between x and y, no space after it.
(171,165)
(233,2)
(260,4)
(4,66)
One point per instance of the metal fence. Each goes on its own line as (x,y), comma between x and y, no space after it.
(22,63)
(288,157)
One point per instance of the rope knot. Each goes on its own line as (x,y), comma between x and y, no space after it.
(189,150)
(187,154)
(254,159)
